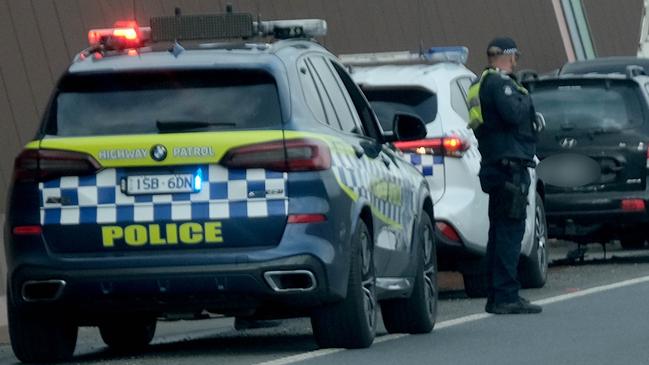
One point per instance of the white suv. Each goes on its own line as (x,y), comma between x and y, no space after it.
(434,85)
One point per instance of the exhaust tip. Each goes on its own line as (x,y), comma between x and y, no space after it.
(290,281)
(42,290)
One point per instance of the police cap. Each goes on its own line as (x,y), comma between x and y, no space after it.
(502,45)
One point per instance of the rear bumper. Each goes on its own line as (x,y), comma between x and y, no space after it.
(92,294)
(593,215)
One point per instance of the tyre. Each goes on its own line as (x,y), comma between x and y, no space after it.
(632,242)
(38,337)
(417,314)
(533,270)
(128,334)
(351,323)
(475,285)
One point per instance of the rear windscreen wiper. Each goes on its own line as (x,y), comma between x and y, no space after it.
(598,131)
(567,126)
(166,126)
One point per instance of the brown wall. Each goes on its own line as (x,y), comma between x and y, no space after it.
(614,25)
(38,38)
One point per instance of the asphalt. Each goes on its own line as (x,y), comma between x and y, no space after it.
(610,327)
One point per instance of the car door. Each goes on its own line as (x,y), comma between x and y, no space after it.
(392,191)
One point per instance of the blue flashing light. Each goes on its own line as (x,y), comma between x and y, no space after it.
(457,54)
(198,180)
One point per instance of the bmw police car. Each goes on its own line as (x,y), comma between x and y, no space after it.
(434,86)
(245,179)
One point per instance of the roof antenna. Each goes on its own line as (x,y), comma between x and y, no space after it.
(176,49)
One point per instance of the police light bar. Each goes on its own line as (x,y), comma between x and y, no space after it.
(124,35)
(430,56)
(298,28)
(457,54)
(231,26)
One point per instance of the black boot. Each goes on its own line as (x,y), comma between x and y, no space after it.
(521,306)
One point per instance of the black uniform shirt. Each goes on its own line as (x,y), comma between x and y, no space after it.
(508,114)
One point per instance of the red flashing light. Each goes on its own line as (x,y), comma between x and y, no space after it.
(124,35)
(290,155)
(633,205)
(27,230)
(451,146)
(306,218)
(448,231)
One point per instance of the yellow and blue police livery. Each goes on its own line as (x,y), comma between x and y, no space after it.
(244,179)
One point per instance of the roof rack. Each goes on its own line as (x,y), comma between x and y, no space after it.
(432,55)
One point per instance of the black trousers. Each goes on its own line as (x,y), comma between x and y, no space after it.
(505,237)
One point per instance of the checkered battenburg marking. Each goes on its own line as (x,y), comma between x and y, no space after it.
(225,193)
(361,174)
(426,164)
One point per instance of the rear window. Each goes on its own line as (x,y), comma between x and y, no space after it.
(386,102)
(164,102)
(590,105)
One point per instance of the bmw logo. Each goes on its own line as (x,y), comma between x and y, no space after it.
(158,152)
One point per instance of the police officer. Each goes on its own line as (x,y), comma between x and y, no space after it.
(503,118)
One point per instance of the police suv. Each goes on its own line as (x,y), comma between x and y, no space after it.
(245,179)
(434,85)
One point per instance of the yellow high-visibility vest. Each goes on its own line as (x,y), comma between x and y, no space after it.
(473,99)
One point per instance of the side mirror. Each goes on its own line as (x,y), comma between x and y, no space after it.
(539,123)
(407,127)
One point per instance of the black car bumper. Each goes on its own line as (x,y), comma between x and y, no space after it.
(90,295)
(594,216)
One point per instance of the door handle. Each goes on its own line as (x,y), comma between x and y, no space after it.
(359,151)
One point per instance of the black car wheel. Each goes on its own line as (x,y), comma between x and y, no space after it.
(38,337)
(128,334)
(417,314)
(351,323)
(533,269)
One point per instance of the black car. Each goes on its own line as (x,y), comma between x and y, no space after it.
(594,154)
(604,65)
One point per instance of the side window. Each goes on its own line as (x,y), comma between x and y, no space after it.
(363,109)
(331,118)
(336,95)
(465,84)
(312,95)
(458,101)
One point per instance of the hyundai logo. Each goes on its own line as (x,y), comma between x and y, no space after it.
(568,143)
(158,152)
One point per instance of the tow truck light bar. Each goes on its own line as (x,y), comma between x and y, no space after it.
(432,55)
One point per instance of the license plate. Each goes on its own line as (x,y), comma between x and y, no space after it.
(160,184)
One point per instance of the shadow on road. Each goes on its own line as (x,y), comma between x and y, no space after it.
(245,343)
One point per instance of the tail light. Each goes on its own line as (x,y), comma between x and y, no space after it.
(306,218)
(124,35)
(451,146)
(27,230)
(633,205)
(448,231)
(289,155)
(41,165)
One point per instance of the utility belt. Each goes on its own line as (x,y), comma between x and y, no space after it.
(511,197)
